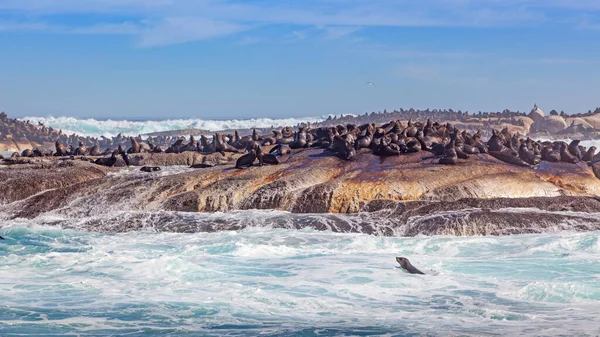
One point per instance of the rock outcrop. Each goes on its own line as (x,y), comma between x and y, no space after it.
(305,182)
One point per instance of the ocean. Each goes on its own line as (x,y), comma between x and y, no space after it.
(278,282)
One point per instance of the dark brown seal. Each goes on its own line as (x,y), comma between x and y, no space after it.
(246,160)
(110,161)
(406,265)
(150,168)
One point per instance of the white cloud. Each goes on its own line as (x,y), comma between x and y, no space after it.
(161,22)
(179,30)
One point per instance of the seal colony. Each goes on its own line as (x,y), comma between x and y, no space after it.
(16,135)
(444,141)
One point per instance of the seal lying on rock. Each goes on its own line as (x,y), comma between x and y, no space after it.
(508,158)
(202,165)
(150,169)
(406,265)
(110,161)
(270,159)
(281,150)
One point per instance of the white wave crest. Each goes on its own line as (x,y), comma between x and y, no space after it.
(108,128)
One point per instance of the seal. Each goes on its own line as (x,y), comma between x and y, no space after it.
(406,265)
(566,156)
(450,157)
(135,146)
(81,150)
(1,238)
(27,153)
(508,158)
(202,165)
(61,151)
(246,160)
(589,155)
(95,150)
(385,149)
(527,155)
(574,150)
(125,158)
(150,168)
(110,161)
(281,149)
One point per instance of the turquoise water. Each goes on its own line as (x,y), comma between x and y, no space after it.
(273,282)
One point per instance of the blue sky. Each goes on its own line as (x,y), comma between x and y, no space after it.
(218,59)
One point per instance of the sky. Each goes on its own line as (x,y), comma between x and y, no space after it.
(221,59)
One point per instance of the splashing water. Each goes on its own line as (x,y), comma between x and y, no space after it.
(96,128)
(295,283)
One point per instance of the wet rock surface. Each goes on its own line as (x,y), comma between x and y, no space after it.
(404,195)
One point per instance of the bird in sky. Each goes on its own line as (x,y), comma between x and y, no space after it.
(371,83)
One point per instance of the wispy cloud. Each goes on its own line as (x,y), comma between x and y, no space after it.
(250,40)
(332,33)
(101,29)
(296,36)
(8,26)
(179,30)
(161,22)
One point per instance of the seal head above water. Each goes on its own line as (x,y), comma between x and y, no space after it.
(406,265)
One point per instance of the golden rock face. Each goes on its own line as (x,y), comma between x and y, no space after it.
(307,181)
(402,196)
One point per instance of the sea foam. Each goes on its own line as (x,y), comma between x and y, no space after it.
(108,128)
(295,283)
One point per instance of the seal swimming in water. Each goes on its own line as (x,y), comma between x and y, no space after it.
(406,265)
(1,238)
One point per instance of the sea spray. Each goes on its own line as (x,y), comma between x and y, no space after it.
(108,128)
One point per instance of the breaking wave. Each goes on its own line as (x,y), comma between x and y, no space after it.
(281,282)
(108,128)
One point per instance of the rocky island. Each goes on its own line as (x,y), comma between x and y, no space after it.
(412,178)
